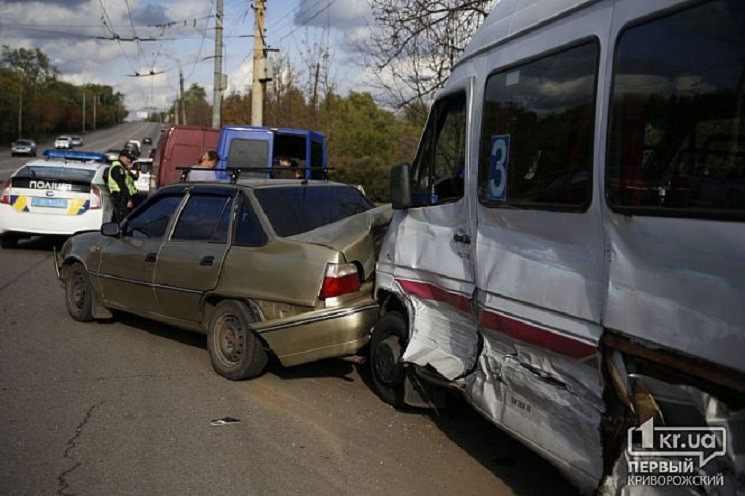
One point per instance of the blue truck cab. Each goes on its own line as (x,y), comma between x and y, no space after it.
(265,147)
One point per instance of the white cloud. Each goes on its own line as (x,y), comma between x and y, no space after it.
(339,14)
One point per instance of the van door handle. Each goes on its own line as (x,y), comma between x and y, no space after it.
(151,257)
(208,260)
(462,238)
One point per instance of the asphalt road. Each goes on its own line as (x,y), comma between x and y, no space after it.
(129,406)
(98,141)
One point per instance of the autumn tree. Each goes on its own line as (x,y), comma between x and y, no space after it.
(198,111)
(415,43)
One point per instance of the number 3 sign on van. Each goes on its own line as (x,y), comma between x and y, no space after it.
(498,160)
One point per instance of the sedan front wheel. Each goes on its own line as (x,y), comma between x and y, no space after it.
(79,293)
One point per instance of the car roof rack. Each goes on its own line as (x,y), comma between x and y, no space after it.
(75,155)
(235,172)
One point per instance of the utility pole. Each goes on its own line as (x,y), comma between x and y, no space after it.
(83,109)
(259,63)
(95,100)
(217,84)
(181,99)
(20,104)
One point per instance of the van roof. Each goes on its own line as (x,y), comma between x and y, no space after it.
(511,18)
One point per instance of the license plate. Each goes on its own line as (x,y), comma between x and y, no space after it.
(49,202)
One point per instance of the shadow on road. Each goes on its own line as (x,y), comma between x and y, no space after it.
(41,243)
(508,459)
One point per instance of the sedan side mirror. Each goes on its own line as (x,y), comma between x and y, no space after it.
(110,229)
(400,187)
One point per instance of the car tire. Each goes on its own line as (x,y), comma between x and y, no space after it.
(79,293)
(235,350)
(389,339)
(8,242)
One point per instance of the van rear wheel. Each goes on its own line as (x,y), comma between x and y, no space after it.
(387,346)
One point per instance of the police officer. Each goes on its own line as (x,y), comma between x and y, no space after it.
(122,185)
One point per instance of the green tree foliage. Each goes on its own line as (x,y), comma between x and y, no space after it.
(198,111)
(46,105)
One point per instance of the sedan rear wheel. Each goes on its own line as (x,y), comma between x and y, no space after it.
(235,351)
(79,293)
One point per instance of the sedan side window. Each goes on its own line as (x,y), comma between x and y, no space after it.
(152,221)
(204,218)
(248,230)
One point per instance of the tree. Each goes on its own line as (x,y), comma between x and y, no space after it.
(32,69)
(415,43)
(198,111)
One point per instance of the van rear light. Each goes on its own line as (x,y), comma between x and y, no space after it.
(5,199)
(340,279)
(95,202)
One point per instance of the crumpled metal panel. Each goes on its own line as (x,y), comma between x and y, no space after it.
(357,236)
(555,415)
(443,338)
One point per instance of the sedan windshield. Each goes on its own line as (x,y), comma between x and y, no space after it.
(296,210)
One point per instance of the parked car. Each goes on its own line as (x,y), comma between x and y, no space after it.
(59,196)
(260,266)
(63,142)
(76,141)
(142,167)
(23,147)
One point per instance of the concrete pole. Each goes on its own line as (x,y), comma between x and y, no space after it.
(20,104)
(95,100)
(217,84)
(83,110)
(257,97)
(181,99)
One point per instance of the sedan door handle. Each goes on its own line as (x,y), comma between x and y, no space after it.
(208,260)
(462,238)
(151,257)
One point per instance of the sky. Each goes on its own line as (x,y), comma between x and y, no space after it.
(175,33)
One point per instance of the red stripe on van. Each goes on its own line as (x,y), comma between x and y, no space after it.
(428,291)
(531,334)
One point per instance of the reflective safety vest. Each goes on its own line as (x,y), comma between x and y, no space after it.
(114,186)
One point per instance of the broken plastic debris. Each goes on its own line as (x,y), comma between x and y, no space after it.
(225,421)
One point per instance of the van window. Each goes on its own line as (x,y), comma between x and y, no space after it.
(537,133)
(437,172)
(677,136)
(248,153)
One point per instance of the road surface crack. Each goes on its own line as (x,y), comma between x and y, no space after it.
(71,444)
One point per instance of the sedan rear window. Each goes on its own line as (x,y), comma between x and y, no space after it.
(296,210)
(56,174)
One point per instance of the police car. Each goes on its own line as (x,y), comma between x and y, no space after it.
(62,195)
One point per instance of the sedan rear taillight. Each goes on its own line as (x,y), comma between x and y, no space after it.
(6,193)
(95,202)
(339,279)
